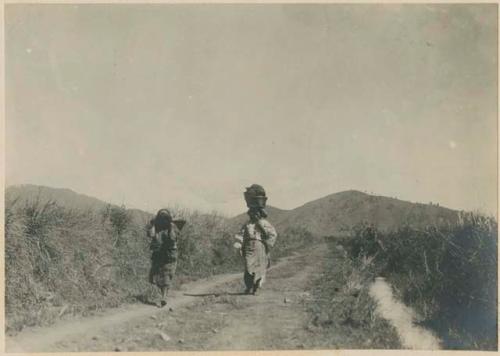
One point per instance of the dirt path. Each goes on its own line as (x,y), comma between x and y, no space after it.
(402,318)
(203,315)
(43,339)
(212,314)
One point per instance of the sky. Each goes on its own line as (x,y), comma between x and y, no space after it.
(161,105)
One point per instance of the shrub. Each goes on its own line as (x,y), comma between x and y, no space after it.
(342,303)
(447,273)
(61,260)
(292,239)
(205,245)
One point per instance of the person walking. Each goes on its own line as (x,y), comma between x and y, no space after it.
(164,232)
(259,237)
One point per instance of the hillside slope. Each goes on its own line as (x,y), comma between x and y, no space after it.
(329,215)
(337,212)
(275,215)
(64,197)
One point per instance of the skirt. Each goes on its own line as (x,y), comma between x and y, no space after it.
(256,259)
(163,268)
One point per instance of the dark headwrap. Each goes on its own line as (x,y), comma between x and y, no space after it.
(256,190)
(162,220)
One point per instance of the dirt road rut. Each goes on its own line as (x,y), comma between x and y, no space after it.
(203,315)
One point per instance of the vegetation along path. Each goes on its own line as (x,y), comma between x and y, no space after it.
(211,314)
(402,318)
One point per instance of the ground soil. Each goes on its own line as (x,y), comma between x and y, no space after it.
(210,314)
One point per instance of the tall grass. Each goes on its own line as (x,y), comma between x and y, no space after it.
(292,239)
(342,310)
(61,261)
(447,273)
(206,246)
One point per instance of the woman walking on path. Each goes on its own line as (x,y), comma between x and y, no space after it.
(163,232)
(259,236)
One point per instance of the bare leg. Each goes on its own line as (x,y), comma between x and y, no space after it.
(256,286)
(248,278)
(164,291)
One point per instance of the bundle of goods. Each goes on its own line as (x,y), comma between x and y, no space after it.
(255,196)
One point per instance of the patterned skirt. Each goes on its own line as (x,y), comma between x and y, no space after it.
(163,266)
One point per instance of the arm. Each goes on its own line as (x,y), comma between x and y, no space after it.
(150,231)
(269,232)
(242,230)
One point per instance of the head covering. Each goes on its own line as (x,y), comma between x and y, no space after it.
(255,196)
(163,219)
(256,190)
(164,213)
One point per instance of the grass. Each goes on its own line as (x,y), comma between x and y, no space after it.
(292,239)
(342,311)
(61,262)
(447,273)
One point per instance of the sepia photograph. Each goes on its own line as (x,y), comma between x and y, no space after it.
(250,177)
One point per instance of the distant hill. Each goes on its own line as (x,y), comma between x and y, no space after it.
(334,213)
(275,215)
(329,215)
(64,197)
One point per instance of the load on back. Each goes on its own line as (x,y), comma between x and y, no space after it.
(255,196)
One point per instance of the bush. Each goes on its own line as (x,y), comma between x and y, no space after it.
(205,246)
(448,274)
(342,304)
(292,239)
(49,253)
(63,261)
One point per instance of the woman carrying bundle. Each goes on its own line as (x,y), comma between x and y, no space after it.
(258,236)
(164,232)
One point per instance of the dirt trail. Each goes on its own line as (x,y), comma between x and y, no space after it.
(41,339)
(212,314)
(402,318)
(109,330)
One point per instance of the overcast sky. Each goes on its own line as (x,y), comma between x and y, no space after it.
(155,105)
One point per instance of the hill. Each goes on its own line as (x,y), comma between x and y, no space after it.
(66,198)
(82,254)
(274,215)
(335,213)
(90,255)
(329,215)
